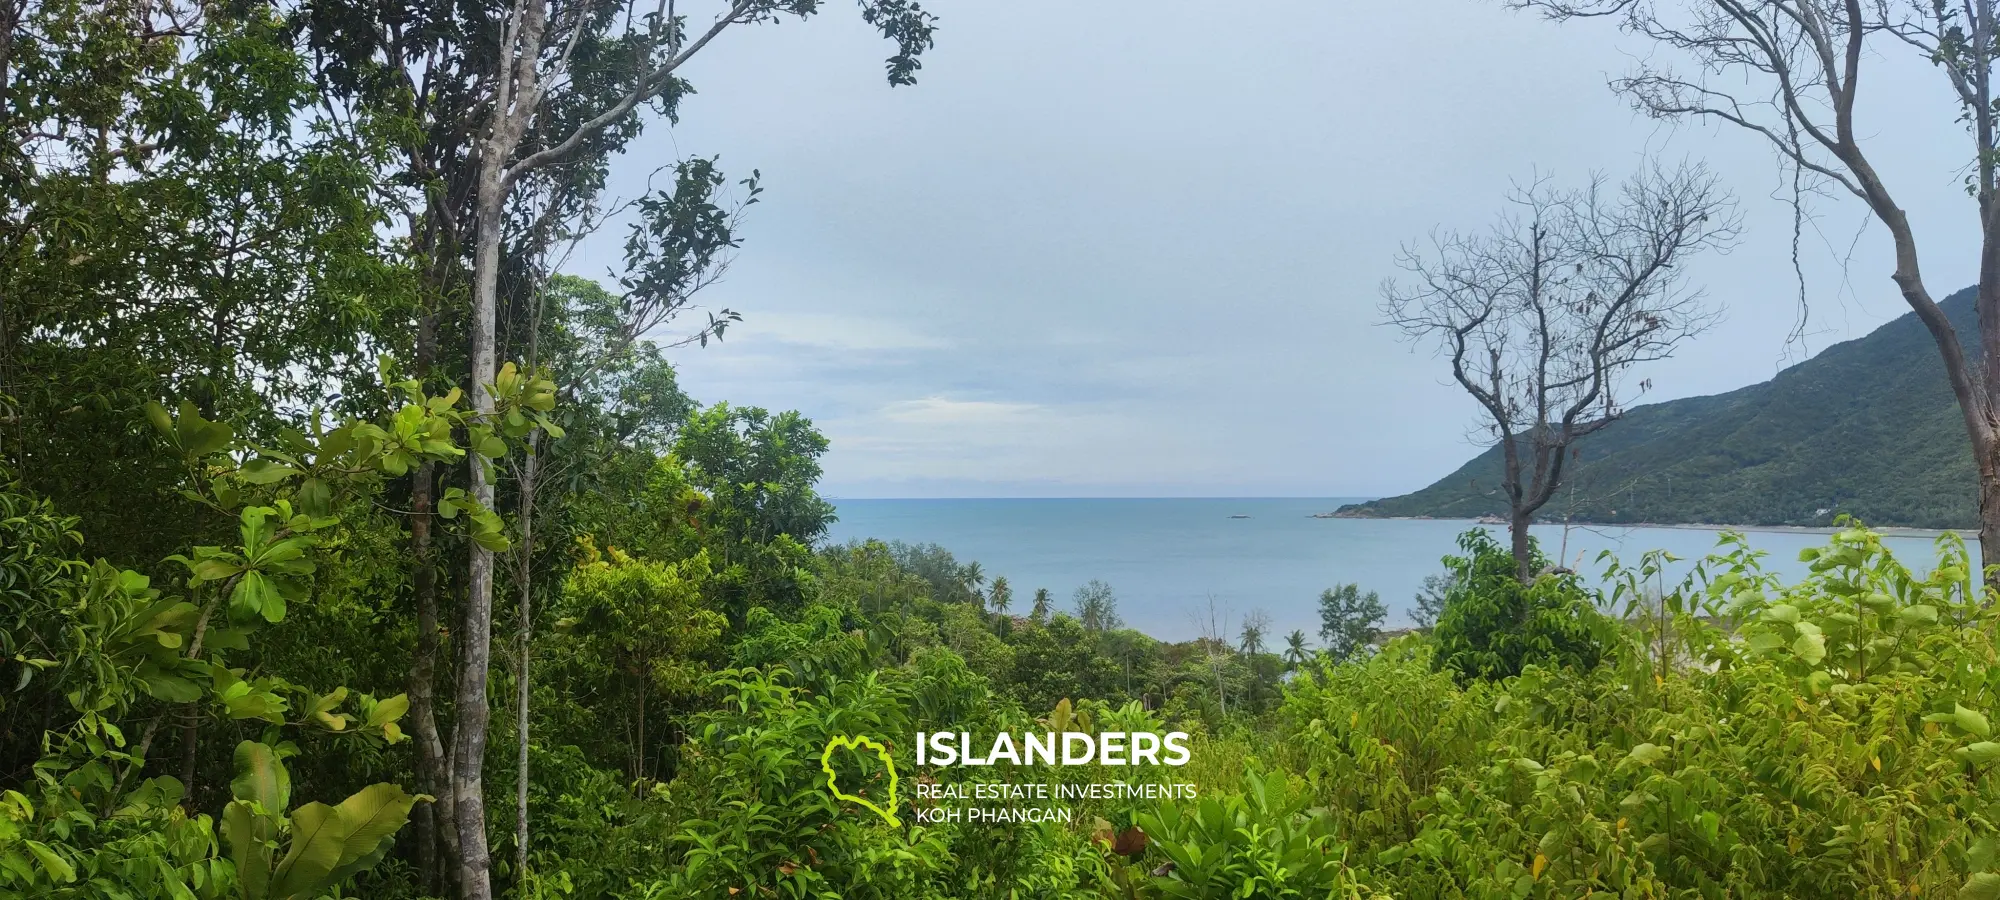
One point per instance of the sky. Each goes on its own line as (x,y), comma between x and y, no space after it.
(1135,247)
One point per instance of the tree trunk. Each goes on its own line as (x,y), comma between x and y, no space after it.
(639,747)
(434,820)
(1524,554)
(1989,513)
(527,583)
(190,744)
(191,730)
(468,737)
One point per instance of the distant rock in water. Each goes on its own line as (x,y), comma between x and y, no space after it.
(1239,516)
(1868,427)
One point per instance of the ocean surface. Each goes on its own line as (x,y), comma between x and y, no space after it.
(1165,558)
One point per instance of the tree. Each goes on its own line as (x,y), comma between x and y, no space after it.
(1348,620)
(1043,605)
(1542,315)
(1251,639)
(1212,622)
(1793,71)
(1002,595)
(973,577)
(1097,607)
(648,619)
(1296,653)
(1494,626)
(545,109)
(1430,598)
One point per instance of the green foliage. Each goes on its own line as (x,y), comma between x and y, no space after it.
(1348,620)
(327,844)
(113,645)
(1721,750)
(1097,606)
(766,822)
(1493,626)
(1428,603)
(760,469)
(1260,844)
(643,631)
(1868,427)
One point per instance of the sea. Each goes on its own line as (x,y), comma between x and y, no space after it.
(1181,566)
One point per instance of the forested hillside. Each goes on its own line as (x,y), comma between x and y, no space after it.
(1867,428)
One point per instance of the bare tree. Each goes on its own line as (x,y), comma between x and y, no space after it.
(1213,625)
(1543,314)
(1789,73)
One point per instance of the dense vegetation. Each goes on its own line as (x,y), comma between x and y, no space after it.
(273,539)
(1726,735)
(1866,428)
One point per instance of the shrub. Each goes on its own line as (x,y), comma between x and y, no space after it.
(1494,627)
(1827,738)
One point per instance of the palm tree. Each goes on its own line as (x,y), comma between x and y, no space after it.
(1002,595)
(973,576)
(1043,603)
(1296,653)
(1254,626)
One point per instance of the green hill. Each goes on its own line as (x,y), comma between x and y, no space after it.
(1867,427)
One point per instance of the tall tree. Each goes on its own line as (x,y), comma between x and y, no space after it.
(1789,73)
(1296,652)
(1097,606)
(1542,315)
(1001,596)
(541,113)
(1251,639)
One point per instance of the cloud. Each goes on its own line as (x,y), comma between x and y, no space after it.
(960,413)
(1041,279)
(833,331)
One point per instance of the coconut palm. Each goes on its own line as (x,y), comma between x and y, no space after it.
(1296,654)
(1251,641)
(1001,597)
(1043,604)
(973,577)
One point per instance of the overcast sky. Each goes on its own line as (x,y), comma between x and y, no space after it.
(1126,248)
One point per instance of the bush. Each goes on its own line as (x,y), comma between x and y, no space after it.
(1829,738)
(1494,627)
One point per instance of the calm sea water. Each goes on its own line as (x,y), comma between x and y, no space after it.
(1166,557)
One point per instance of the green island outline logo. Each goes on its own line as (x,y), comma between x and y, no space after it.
(857,743)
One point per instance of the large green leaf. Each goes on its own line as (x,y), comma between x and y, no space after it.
(1971,721)
(1981,886)
(375,814)
(249,835)
(264,471)
(255,595)
(59,869)
(330,843)
(261,778)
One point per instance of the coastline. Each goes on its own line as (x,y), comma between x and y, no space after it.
(1887,530)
